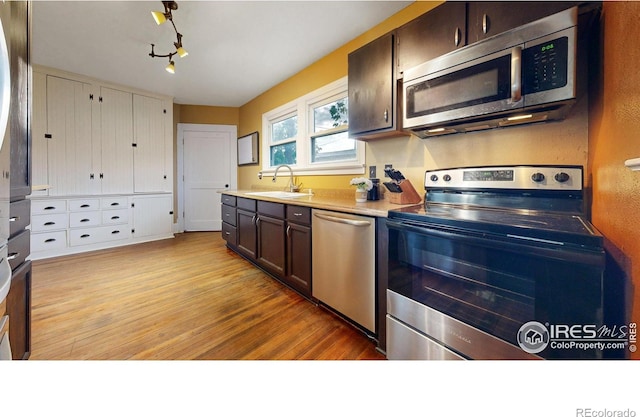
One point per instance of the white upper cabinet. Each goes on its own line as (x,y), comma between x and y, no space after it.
(39,157)
(68,136)
(116,130)
(150,145)
(92,139)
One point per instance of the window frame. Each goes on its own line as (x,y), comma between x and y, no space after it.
(303,107)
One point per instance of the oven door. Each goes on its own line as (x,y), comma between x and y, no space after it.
(495,284)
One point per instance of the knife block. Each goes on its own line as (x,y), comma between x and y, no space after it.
(409,195)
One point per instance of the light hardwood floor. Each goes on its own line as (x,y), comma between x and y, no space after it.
(183,298)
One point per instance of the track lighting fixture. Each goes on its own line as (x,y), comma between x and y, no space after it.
(160,18)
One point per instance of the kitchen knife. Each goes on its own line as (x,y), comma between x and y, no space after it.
(393,187)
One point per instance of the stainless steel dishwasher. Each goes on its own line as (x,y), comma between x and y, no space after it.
(343,264)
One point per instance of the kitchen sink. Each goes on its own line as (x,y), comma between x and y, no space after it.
(278,194)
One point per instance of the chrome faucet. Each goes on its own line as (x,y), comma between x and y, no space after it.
(292,187)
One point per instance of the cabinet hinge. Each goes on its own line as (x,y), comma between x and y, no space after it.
(171,212)
(48,136)
(135,145)
(100,99)
(101,175)
(91,97)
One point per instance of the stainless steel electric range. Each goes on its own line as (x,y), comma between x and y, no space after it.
(497,263)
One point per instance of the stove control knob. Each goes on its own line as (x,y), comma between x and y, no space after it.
(434,178)
(447,177)
(562,177)
(538,177)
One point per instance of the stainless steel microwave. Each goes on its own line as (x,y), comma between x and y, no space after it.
(524,75)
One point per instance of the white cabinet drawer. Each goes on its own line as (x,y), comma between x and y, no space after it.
(49,222)
(48,206)
(78,237)
(89,218)
(48,241)
(115,216)
(116,232)
(114,203)
(84,204)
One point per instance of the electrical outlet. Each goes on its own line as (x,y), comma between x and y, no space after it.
(385,168)
(372,171)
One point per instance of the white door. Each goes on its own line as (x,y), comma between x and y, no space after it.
(209,166)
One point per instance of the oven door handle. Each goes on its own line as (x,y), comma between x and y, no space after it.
(510,243)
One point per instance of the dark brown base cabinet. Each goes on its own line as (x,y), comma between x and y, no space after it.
(299,249)
(271,240)
(275,237)
(19,310)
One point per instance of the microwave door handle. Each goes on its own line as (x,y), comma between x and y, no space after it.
(516,74)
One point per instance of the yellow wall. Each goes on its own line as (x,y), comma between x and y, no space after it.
(614,138)
(322,72)
(554,143)
(208,114)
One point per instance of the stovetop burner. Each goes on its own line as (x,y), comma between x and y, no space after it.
(533,203)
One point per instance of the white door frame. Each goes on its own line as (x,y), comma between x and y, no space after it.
(183,127)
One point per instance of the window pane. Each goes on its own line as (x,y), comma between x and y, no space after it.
(283,154)
(336,147)
(284,129)
(330,115)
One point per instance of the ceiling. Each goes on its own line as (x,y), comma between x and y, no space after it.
(237,49)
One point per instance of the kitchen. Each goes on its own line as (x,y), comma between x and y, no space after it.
(596,135)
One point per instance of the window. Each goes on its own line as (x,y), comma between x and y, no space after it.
(330,140)
(283,141)
(311,134)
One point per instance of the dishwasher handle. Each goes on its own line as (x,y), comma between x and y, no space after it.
(357,223)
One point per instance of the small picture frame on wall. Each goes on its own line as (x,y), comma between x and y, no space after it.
(248,149)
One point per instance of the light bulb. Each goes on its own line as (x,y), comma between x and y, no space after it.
(171,68)
(181,51)
(159,17)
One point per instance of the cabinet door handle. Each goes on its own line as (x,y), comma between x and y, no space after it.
(84,236)
(457,37)
(485,23)
(115,217)
(49,208)
(13,256)
(115,204)
(288,231)
(297,214)
(85,220)
(386,115)
(253,220)
(115,232)
(85,206)
(49,240)
(49,223)
(14,219)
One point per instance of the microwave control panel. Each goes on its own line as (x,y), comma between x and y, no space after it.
(545,65)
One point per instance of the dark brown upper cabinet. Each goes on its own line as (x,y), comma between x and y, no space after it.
(441,30)
(489,18)
(373,91)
